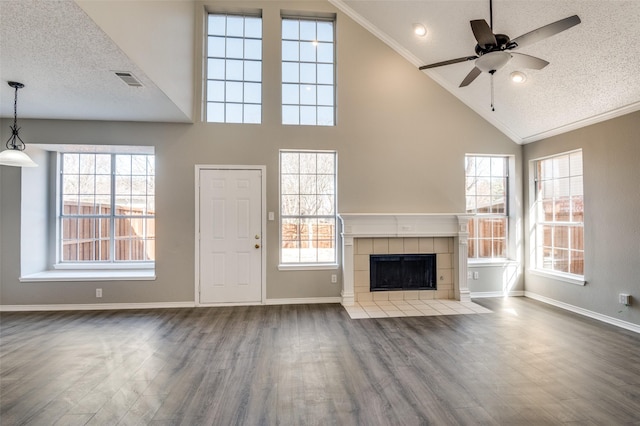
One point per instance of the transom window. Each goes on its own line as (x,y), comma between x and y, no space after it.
(107,208)
(308,94)
(487,197)
(559,208)
(234,68)
(308,207)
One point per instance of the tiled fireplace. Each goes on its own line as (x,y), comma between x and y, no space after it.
(366,234)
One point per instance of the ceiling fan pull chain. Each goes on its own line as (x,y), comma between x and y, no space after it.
(492,108)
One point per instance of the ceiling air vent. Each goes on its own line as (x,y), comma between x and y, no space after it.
(128,78)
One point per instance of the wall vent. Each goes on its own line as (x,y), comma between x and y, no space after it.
(128,78)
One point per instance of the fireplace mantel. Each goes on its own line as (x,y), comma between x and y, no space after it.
(388,225)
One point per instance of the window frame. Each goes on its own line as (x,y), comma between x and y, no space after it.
(208,103)
(316,84)
(537,260)
(306,265)
(506,216)
(111,263)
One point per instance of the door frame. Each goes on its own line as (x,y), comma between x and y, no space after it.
(263,222)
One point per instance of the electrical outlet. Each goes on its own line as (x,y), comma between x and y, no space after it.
(469,275)
(334,278)
(476,275)
(98,292)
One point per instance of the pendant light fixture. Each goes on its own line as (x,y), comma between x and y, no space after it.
(13,155)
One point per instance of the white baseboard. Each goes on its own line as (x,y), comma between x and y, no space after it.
(95,306)
(166,305)
(587,313)
(303,300)
(482,294)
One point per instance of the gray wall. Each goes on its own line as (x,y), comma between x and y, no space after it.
(401,141)
(611,160)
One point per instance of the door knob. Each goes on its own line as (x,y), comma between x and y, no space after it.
(257,237)
(257,246)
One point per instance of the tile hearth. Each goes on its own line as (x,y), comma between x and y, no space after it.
(413,308)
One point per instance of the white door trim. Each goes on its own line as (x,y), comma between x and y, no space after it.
(263,215)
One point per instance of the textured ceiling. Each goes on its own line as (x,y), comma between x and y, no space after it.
(66,63)
(594,67)
(65,58)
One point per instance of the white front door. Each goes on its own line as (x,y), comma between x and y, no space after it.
(230,236)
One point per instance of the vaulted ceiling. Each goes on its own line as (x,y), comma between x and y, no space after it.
(66,53)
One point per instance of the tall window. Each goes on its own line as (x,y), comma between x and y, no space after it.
(487,193)
(308,72)
(234,69)
(560,214)
(307,207)
(107,208)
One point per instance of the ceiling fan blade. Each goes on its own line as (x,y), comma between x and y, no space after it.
(449,62)
(544,32)
(483,34)
(529,61)
(473,74)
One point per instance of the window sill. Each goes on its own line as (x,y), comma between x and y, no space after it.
(308,267)
(568,278)
(91,275)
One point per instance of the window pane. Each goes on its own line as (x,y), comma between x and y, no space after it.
(325,116)
(253,93)
(252,27)
(290,114)
(252,113)
(290,72)
(290,29)
(290,94)
(307,73)
(235,48)
(325,31)
(252,71)
(233,113)
(308,95)
(290,51)
(307,30)
(325,95)
(234,70)
(253,49)
(325,52)
(308,115)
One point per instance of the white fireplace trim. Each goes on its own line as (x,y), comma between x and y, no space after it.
(388,225)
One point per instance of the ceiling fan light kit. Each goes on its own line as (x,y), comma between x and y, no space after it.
(13,155)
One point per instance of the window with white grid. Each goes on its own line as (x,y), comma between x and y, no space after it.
(234,68)
(308,207)
(559,214)
(308,88)
(487,195)
(107,208)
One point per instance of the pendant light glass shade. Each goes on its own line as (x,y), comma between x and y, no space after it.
(17,158)
(14,155)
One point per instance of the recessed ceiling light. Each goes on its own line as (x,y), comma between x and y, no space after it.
(518,77)
(419,30)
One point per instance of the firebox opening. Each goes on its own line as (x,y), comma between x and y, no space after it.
(402,272)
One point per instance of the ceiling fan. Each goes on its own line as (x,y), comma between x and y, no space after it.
(494,51)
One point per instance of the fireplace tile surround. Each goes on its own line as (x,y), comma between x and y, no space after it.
(382,233)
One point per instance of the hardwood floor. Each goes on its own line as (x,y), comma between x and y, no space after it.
(526,363)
